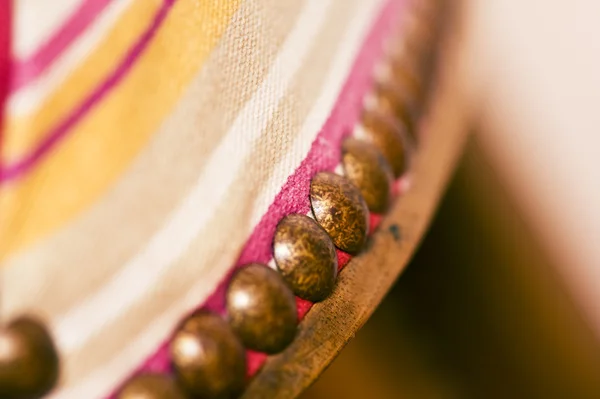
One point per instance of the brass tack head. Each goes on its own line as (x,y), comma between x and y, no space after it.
(262,309)
(151,386)
(405,79)
(28,360)
(392,104)
(305,256)
(367,169)
(407,73)
(388,138)
(208,358)
(419,24)
(420,38)
(340,209)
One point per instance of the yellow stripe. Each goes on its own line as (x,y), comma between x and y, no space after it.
(24,132)
(82,167)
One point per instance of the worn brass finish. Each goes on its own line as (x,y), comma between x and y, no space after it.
(417,33)
(421,34)
(366,280)
(208,358)
(28,361)
(340,209)
(396,106)
(262,309)
(305,256)
(367,169)
(151,386)
(419,28)
(389,140)
(405,79)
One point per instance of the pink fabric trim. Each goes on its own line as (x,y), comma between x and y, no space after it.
(5,50)
(29,69)
(59,132)
(325,152)
(324,155)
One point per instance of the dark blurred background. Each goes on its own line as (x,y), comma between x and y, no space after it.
(479,313)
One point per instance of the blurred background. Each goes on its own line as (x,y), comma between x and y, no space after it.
(479,313)
(502,300)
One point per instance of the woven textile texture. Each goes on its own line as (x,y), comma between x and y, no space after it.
(149,146)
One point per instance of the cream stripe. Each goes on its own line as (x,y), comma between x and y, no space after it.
(319,113)
(161,326)
(30,97)
(36,20)
(175,154)
(167,245)
(263,24)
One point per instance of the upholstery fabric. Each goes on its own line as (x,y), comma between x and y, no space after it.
(149,146)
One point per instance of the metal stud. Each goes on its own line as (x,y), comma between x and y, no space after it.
(416,30)
(151,386)
(305,256)
(28,360)
(262,309)
(208,358)
(389,140)
(340,209)
(395,106)
(402,82)
(420,34)
(405,79)
(367,169)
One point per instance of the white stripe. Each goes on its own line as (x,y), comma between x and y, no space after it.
(29,98)
(167,245)
(171,242)
(321,108)
(35,20)
(105,378)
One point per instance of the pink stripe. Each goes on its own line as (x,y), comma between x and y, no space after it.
(324,154)
(59,132)
(28,70)
(5,70)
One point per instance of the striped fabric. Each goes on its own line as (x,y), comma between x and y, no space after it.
(149,146)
